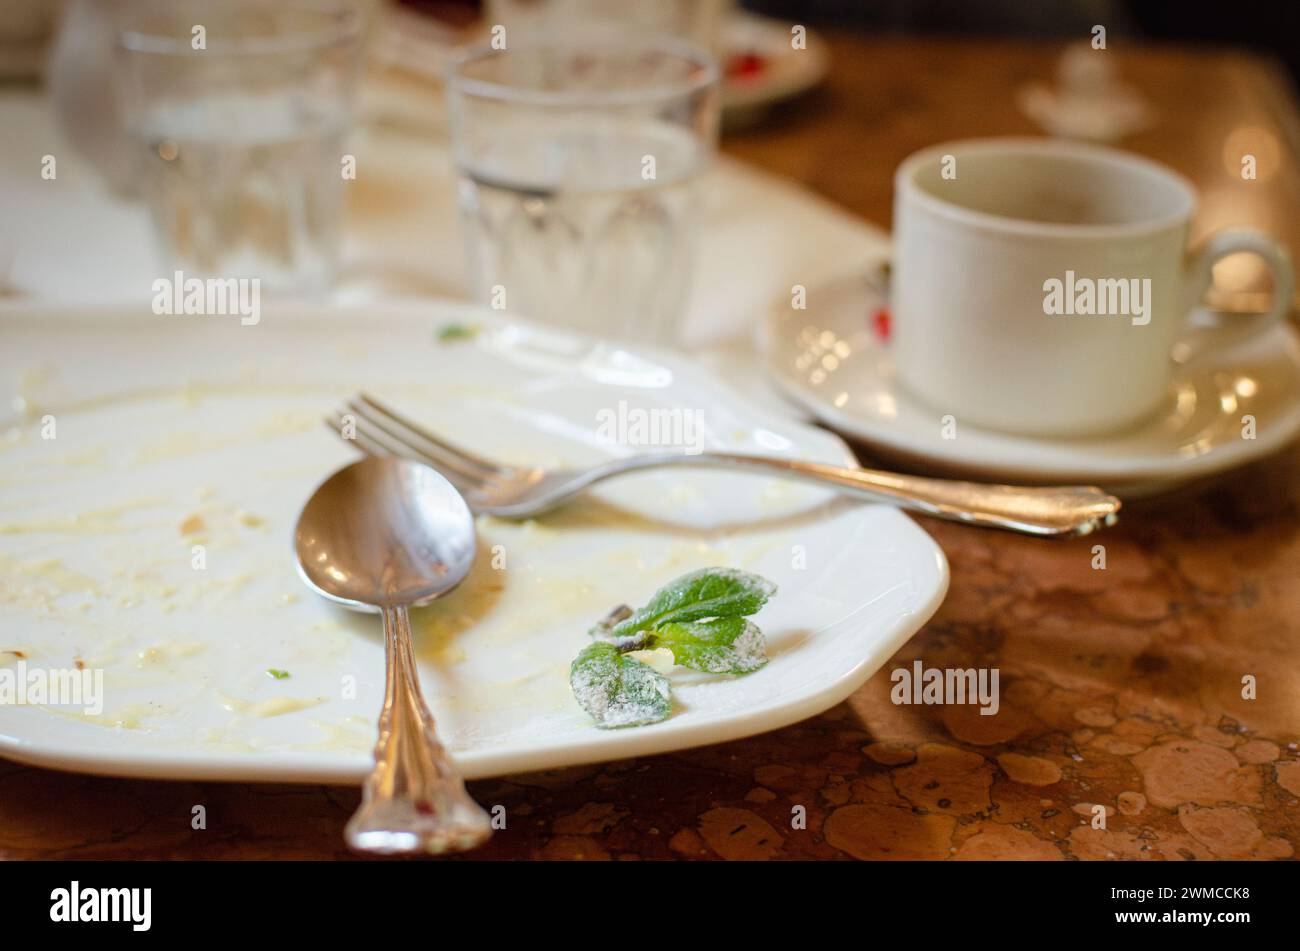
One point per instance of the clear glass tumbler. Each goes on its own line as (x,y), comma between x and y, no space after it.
(240,108)
(575,155)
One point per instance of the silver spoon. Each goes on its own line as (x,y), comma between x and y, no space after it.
(384,534)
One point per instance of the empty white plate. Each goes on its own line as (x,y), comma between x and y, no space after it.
(153,468)
(833,359)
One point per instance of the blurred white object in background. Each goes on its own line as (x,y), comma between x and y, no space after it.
(80,81)
(699,21)
(764,63)
(1090,101)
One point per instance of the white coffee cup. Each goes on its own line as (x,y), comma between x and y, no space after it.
(999,247)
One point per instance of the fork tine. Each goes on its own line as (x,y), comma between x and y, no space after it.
(360,441)
(372,443)
(402,444)
(469,463)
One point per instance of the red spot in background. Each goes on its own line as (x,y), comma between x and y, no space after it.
(880,323)
(745,66)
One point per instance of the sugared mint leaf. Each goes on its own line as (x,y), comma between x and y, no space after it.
(729,645)
(617,690)
(700,617)
(707,593)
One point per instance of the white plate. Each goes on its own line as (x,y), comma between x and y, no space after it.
(832,360)
(161,419)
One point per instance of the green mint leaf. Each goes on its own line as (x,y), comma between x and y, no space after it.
(729,645)
(618,691)
(449,332)
(709,592)
(277,674)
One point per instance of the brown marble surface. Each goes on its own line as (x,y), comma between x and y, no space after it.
(1120,687)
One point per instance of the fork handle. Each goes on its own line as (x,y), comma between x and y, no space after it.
(1049,510)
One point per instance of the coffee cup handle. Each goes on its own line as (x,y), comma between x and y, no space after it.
(1206,335)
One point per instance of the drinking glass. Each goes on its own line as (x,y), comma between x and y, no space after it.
(575,156)
(240,109)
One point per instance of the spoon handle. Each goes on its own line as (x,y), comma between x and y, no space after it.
(414,800)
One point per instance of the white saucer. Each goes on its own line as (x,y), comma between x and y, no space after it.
(785,72)
(833,360)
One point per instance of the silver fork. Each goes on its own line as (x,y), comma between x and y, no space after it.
(492,488)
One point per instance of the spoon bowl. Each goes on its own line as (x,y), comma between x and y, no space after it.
(382,532)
